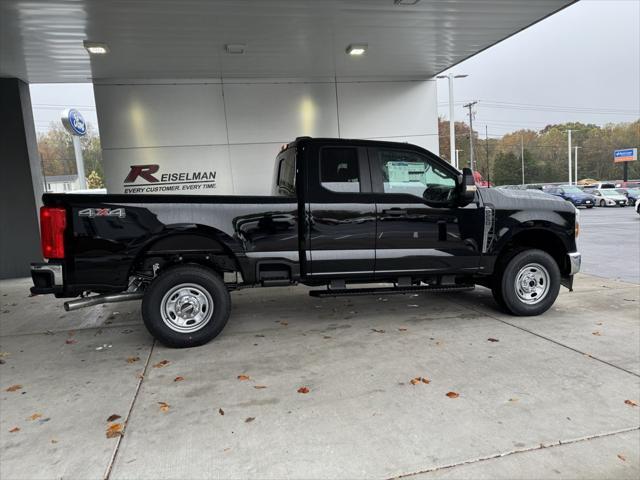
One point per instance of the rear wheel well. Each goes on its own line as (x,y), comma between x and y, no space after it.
(540,239)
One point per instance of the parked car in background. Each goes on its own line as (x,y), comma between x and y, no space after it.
(609,197)
(638,207)
(629,184)
(597,186)
(574,195)
(632,194)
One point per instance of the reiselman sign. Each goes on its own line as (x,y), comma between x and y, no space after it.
(150,179)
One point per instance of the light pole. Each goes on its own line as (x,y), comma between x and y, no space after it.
(452,125)
(457,165)
(569,154)
(575,159)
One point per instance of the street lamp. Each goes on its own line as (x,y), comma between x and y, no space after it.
(452,128)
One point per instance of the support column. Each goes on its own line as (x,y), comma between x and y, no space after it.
(20,181)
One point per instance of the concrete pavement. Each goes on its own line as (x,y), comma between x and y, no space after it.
(546,399)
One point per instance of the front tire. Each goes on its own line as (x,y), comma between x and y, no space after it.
(603,203)
(528,284)
(186,306)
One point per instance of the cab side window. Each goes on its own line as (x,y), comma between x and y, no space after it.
(287,174)
(339,169)
(410,173)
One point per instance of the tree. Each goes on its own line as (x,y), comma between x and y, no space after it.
(94,180)
(56,151)
(507,169)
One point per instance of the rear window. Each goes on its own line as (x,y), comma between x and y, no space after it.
(339,171)
(287,173)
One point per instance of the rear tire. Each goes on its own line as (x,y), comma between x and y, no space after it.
(186,306)
(528,284)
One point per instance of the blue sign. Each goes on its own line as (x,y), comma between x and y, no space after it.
(626,155)
(74,122)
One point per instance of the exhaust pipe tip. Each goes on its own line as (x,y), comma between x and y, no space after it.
(100,299)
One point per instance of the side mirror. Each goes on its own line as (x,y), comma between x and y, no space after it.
(467,188)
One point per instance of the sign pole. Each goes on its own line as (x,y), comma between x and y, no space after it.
(625,171)
(77,149)
(74,123)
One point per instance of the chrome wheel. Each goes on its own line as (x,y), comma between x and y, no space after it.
(186,308)
(532,283)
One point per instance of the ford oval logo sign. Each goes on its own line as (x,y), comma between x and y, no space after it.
(74,122)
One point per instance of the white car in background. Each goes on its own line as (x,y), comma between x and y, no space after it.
(609,197)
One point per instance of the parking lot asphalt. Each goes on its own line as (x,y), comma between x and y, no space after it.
(610,242)
(547,397)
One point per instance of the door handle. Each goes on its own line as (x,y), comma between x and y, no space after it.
(395,211)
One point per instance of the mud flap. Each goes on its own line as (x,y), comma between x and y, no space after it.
(567,281)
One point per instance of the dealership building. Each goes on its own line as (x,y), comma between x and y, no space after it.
(203,94)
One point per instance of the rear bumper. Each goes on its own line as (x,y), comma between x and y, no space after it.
(47,278)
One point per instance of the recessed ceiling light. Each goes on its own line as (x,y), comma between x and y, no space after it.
(96,48)
(235,48)
(357,49)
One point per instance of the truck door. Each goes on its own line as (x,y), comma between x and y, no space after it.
(412,237)
(341,219)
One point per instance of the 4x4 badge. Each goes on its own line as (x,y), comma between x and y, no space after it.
(102,212)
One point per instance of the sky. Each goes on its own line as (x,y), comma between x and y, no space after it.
(581,64)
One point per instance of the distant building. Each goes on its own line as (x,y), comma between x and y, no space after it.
(61,183)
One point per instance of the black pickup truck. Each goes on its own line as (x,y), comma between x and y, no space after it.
(343,212)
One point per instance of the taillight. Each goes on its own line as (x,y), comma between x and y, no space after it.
(52,224)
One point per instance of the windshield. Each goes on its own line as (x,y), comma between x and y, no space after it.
(572,190)
(609,193)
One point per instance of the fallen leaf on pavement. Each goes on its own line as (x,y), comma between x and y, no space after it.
(243,378)
(402,329)
(70,341)
(53,440)
(221,411)
(113,418)
(161,364)
(14,388)
(259,387)
(284,324)
(596,333)
(303,390)
(14,430)
(35,416)
(249,419)
(631,403)
(377,331)
(417,380)
(453,395)
(133,359)
(178,379)
(492,340)
(513,399)
(114,430)
(164,407)
(622,457)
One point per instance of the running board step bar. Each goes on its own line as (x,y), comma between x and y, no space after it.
(389,290)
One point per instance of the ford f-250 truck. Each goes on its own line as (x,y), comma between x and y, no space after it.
(343,212)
